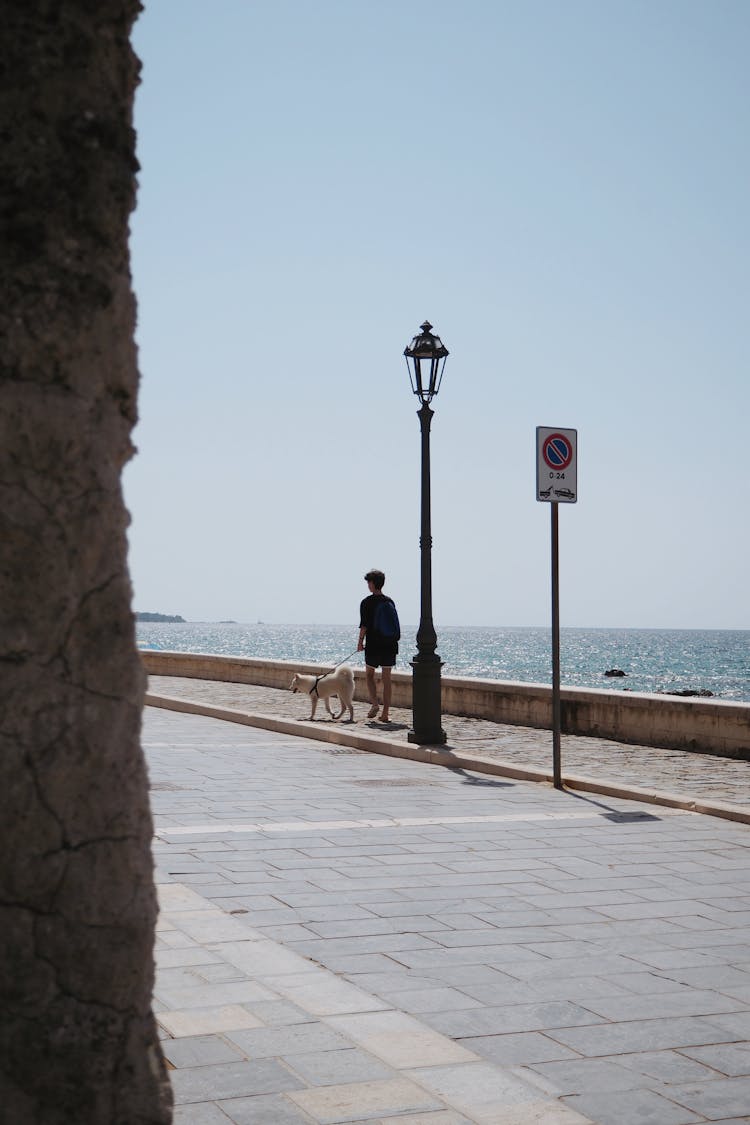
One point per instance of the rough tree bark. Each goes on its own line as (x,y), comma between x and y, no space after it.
(78,1043)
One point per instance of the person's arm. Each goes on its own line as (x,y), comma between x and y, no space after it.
(362,625)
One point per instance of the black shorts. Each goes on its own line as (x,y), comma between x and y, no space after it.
(380,653)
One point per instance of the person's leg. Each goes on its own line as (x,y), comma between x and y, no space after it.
(386,694)
(372,691)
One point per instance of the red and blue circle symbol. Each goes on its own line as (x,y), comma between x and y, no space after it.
(557,451)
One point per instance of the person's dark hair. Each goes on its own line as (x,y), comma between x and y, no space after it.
(377,577)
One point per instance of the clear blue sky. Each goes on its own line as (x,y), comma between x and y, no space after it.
(561,188)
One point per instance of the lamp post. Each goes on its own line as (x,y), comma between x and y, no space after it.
(425,359)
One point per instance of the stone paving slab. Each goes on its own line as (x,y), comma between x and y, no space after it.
(566,957)
(705,776)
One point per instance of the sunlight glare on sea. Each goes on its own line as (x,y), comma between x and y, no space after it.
(714,660)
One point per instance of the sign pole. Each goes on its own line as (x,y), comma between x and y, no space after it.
(556,769)
(556,483)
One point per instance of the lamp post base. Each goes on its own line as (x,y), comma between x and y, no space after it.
(426,716)
(426,739)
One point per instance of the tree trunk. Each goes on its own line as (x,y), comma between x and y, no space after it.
(78,1042)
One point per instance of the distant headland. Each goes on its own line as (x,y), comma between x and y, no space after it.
(169,618)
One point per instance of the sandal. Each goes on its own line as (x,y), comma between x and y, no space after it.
(373,711)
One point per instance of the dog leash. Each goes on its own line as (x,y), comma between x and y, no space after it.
(314,688)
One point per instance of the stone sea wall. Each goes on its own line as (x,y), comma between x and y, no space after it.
(709,726)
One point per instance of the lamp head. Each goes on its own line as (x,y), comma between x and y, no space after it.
(425,359)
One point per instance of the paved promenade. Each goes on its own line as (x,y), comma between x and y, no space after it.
(701,776)
(347,936)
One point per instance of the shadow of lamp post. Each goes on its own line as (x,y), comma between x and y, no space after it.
(425,359)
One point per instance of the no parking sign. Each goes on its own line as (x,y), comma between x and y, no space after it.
(556,465)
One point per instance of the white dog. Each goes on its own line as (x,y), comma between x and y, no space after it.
(340,683)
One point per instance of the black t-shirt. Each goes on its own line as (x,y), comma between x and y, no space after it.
(367,619)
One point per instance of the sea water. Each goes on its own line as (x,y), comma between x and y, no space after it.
(653,660)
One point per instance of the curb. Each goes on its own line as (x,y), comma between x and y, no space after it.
(446,758)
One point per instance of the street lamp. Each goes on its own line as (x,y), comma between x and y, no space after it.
(425,359)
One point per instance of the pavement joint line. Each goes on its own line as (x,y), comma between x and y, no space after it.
(390,822)
(336,733)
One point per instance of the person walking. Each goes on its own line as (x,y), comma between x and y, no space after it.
(379,634)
